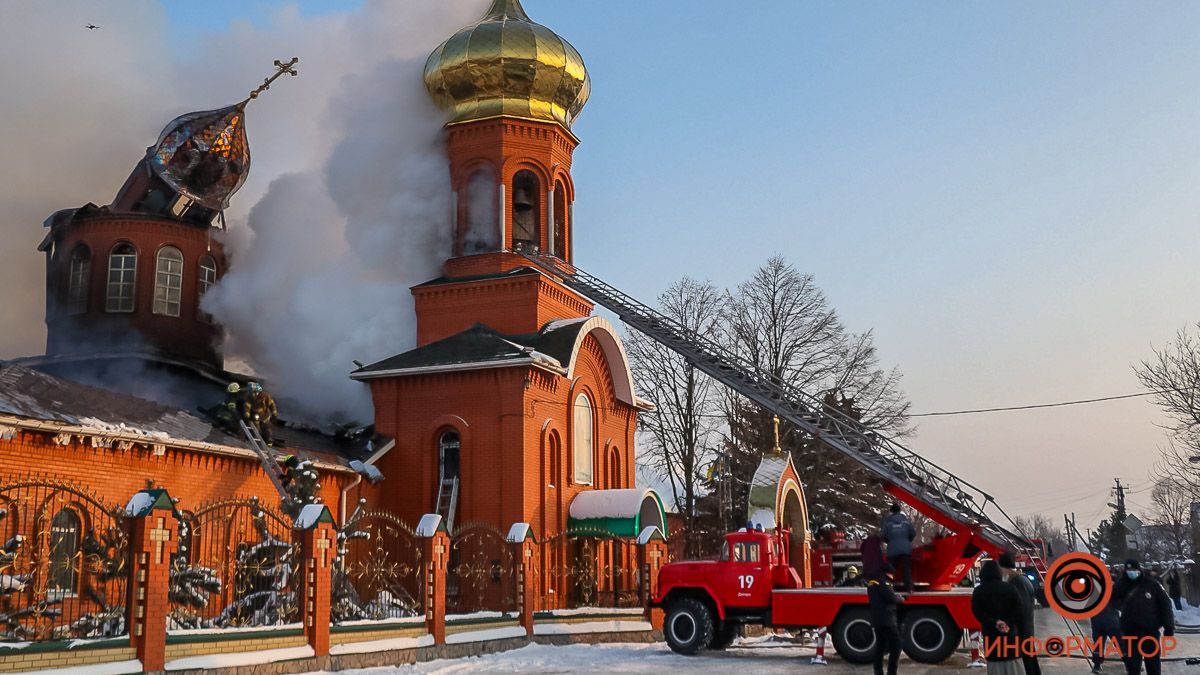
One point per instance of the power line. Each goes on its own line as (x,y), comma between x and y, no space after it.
(1034,406)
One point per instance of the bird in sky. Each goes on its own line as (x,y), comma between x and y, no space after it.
(91,26)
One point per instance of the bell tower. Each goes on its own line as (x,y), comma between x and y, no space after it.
(511,87)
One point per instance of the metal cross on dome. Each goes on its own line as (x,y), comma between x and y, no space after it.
(281,68)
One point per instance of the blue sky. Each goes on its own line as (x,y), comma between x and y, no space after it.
(1007,194)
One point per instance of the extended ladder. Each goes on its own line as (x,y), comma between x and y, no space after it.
(942,491)
(266,456)
(447,501)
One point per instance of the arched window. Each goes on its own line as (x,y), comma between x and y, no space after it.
(168,281)
(449,449)
(560,220)
(555,447)
(78,276)
(482,227)
(208,278)
(584,446)
(526,227)
(64,552)
(122,273)
(614,469)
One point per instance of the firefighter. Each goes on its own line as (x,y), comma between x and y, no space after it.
(262,411)
(852,578)
(228,412)
(882,601)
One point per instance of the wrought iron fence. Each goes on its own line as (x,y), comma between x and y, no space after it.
(64,563)
(235,567)
(481,573)
(577,570)
(377,574)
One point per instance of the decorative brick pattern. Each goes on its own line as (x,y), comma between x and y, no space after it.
(318,545)
(436,555)
(154,539)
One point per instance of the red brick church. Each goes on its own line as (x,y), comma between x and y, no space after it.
(516,405)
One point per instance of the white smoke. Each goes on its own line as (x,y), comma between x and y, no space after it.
(326,277)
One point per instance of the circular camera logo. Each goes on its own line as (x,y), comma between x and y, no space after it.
(1078,586)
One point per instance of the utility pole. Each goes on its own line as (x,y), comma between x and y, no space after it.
(1120,489)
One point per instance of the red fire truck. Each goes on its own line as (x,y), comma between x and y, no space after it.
(754,581)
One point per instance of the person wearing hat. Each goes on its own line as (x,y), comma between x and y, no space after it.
(1014,576)
(882,600)
(898,533)
(1145,611)
(997,606)
(852,578)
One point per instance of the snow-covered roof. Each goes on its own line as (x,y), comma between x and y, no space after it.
(610,503)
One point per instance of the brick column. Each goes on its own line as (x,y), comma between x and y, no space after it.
(153,537)
(318,546)
(435,554)
(521,540)
(653,553)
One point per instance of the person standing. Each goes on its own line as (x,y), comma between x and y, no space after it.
(997,607)
(1175,589)
(1145,611)
(1106,626)
(882,600)
(1014,576)
(898,534)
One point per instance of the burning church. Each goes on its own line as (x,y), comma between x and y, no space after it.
(517,404)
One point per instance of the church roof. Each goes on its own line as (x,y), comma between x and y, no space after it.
(477,347)
(32,396)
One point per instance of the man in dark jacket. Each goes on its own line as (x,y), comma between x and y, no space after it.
(1106,626)
(1014,576)
(997,606)
(883,600)
(898,533)
(1145,610)
(1175,588)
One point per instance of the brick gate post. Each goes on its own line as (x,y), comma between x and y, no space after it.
(318,548)
(521,540)
(435,554)
(653,554)
(154,536)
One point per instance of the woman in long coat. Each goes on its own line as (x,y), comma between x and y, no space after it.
(997,606)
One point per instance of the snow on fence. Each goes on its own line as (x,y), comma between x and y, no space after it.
(377,574)
(235,568)
(64,560)
(481,574)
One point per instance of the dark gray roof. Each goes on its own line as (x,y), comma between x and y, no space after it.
(487,348)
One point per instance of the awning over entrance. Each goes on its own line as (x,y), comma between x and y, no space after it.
(616,513)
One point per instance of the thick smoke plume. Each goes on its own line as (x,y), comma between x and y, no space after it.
(347,202)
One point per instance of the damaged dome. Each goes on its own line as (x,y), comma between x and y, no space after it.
(204,155)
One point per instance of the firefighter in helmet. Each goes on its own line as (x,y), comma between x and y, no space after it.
(262,411)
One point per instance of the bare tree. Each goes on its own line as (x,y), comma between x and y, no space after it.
(1173,374)
(782,323)
(1039,526)
(1172,503)
(680,434)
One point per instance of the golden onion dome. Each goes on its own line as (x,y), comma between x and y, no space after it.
(508,65)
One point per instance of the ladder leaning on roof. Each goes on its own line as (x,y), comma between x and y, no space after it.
(447,501)
(266,456)
(941,495)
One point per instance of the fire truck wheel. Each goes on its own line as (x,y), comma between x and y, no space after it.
(724,635)
(853,637)
(688,626)
(928,635)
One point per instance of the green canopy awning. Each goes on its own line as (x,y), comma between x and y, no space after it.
(616,513)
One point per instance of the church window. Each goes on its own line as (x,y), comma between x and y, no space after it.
(77,280)
(208,278)
(555,459)
(449,449)
(64,552)
(614,469)
(560,221)
(168,281)
(584,446)
(122,271)
(482,231)
(525,200)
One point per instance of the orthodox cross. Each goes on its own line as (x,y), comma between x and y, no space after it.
(280,69)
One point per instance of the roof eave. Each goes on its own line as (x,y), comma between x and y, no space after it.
(458,367)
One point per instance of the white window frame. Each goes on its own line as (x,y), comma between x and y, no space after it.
(205,281)
(168,281)
(583,448)
(121,291)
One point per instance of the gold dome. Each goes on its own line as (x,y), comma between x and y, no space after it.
(508,65)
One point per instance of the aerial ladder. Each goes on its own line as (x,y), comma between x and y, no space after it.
(266,456)
(953,503)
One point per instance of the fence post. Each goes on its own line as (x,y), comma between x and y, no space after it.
(521,539)
(153,537)
(318,546)
(436,551)
(652,547)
